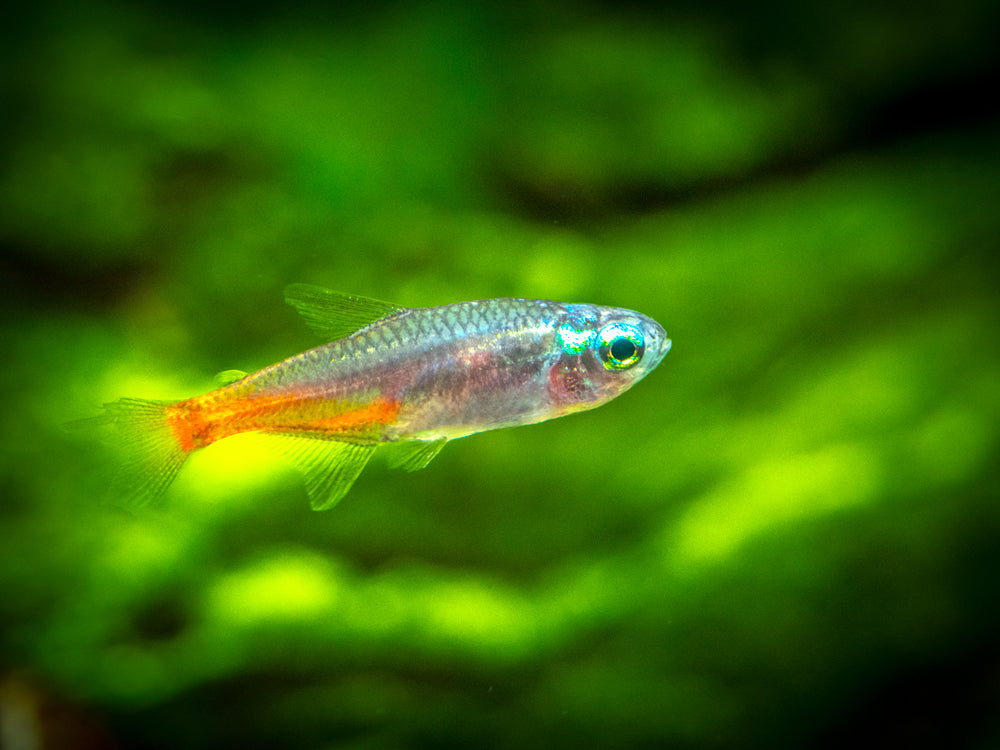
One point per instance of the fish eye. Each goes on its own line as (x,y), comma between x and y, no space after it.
(620,346)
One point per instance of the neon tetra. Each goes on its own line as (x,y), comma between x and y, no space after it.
(392,374)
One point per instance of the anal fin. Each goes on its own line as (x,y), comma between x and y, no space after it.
(328,467)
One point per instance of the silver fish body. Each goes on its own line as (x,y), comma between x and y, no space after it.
(393,374)
(472,366)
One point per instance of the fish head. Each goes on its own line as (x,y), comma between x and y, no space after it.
(601,352)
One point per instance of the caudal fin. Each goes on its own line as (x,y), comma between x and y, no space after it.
(152,453)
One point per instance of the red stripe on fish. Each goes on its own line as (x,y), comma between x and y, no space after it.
(199,422)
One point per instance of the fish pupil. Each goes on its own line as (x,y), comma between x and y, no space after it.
(622,349)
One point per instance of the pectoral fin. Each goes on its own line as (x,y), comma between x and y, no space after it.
(334,315)
(414,455)
(329,467)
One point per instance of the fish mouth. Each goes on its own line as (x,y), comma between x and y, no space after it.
(662,340)
(657,345)
(664,347)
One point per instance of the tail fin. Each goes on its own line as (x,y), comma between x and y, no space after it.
(153,455)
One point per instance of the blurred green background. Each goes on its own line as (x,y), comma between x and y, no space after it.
(787,536)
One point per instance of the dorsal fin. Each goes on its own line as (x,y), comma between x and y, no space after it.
(334,315)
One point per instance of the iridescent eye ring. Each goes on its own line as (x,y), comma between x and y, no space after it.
(620,346)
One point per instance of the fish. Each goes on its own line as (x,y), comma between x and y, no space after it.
(414,377)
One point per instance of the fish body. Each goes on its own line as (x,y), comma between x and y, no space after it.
(398,375)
